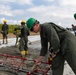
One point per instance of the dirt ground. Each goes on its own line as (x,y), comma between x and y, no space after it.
(34,50)
(13,50)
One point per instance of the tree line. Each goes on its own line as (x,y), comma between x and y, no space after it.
(11,27)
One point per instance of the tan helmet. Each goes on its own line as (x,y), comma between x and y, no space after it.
(23,21)
(4,20)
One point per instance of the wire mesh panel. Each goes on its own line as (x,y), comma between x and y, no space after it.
(16,65)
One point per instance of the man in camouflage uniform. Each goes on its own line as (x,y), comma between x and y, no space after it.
(23,38)
(62,41)
(4,31)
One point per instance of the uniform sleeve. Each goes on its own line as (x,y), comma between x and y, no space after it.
(44,46)
(2,27)
(28,33)
(53,37)
(19,28)
(7,29)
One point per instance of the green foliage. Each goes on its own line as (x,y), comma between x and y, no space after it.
(11,27)
(0,26)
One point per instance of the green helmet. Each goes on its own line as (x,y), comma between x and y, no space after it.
(75,15)
(30,22)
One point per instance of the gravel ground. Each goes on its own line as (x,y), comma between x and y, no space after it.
(34,50)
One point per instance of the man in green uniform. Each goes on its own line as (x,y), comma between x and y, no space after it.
(75,16)
(4,31)
(62,41)
(74,29)
(23,38)
(73,26)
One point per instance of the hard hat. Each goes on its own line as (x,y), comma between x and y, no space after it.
(23,21)
(30,22)
(4,21)
(75,15)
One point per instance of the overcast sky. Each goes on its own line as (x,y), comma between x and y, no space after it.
(57,11)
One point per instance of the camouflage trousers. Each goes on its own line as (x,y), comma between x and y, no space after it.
(5,37)
(22,44)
